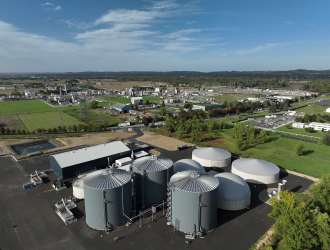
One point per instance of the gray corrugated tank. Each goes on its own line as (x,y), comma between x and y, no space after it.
(187,164)
(107,193)
(212,157)
(153,174)
(192,200)
(233,192)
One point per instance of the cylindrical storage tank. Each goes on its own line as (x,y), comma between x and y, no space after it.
(152,175)
(78,188)
(256,170)
(108,196)
(187,164)
(192,200)
(212,157)
(233,192)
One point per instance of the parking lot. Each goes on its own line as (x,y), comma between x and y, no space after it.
(273,123)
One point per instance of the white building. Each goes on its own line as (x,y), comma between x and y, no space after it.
(319,126)
(328,110)
(254,99)
(298,125)
(138,100)
(28,93)
(292,113)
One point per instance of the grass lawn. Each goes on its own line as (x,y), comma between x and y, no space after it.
(19,107)
(46,120)
(301,131)
(312,109)
(12,122)
(95,115)
(280,151)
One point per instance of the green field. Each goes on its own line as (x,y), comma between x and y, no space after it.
(12,122)
(46,120)
(94,115)
(312,109)
(19,107)
(301,131)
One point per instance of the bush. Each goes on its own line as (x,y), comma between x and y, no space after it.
(300,149)
(326,140)
(146,123)
(309,130)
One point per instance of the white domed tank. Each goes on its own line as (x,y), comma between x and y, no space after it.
(192,200)
(256,170)
(152,175)
(108,196)
(78,188)
(187,164)
(212,157)
(233,192)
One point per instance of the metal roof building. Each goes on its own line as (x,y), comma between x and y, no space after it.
(192,201)
(233,192)
(73,162)
(256,170)
(122,108)
(187,164)
(212,157)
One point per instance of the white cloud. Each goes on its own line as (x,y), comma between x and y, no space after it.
(51,6)
(257,49)
(288,22)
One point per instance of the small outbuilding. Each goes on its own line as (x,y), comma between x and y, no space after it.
(212,157)
(187,164)
(233,192)
(256,170)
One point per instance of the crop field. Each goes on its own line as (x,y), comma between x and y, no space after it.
(12,122)
(19,107)
(95,115)
(46,120)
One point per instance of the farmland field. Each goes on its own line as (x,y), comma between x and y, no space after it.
(19,107)
(94,115)
(301,131)
(46,120)
(12,122)
(312,109)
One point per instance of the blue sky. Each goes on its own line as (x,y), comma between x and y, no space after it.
(134,35)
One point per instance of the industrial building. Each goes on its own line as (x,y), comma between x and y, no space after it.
(152,175)
(233,192)
(74,162)
(187,164)
(108,198)
(138,100)
(122,108)
(192,202)
(315,125)
(256,170)
(207,106)
(212,157)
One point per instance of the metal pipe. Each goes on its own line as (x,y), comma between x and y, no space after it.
(104,210)
(199,211)
(284,185)
(122,202)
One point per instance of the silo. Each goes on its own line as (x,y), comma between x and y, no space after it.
(152,175)
(233,192)
(108,198)
(192,201)
(256,170)
(187,164)
(78,188)
(212,157)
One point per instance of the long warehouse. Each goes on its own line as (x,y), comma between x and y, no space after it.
(71,163)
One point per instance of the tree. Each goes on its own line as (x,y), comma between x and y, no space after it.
(18,131)
(2,130)
(155,118)
(38,130)
(74,127)
(137,119)
(298,225)
(23,131)
(224,103)
(147,103)
(54,130)
(286,106)
(237,112)
(49,130)
(272,109)
(152,123)
(59,129)
(146,123)
(89,126)
(300,149)
(7,131)
(94,104)
(326,139)
(105,124)
(240,144)
(309,130)
(64,129)
(318,119)
(79,127)
(321,193)
(163,111)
